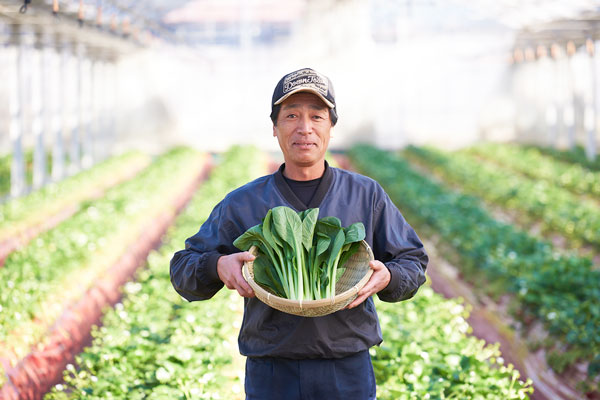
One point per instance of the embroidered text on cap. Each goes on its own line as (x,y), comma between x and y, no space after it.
(305,78)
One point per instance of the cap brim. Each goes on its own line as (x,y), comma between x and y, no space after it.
(305,89)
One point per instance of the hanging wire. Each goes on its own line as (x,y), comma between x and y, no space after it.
(24,7)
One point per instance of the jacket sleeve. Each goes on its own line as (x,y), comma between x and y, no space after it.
(397,245)
(194,269)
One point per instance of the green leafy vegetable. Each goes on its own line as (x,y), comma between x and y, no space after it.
(300,256)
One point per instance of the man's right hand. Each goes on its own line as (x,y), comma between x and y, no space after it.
(229,269)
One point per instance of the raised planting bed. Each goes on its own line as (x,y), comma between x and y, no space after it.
(574,156)
(491,322)
(557,293)
(556,209)
(531,162)
(428,352)
(24,218)
(157,345)
(54,288)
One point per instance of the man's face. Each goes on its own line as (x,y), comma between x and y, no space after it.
(303,129)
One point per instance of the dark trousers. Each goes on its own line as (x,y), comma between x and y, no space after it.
(349,378)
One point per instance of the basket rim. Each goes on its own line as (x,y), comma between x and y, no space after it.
(306,304)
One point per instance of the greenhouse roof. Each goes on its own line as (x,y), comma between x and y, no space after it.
(193,22)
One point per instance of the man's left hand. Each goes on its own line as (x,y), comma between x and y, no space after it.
(378,281)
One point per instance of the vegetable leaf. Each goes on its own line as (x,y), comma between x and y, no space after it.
(300,256)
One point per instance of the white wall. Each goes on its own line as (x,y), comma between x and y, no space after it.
(432,87)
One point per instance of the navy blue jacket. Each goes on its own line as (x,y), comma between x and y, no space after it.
(268,332)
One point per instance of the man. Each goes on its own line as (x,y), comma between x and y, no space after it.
(291,357)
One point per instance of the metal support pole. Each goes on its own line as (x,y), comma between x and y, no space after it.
(591,105)
(15,131)
(59,122)
(552,110)
(39,150)
(71,89)
(527,111)
(569,115)
(103,122)
(114,104)
(94,93)
(4,106)
(7,70)
(559,80)
(82,106)
(88,113)
(48,68)
(23,75)
(593,137)
(516,90)
(541,89)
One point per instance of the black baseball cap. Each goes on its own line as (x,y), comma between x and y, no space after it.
(304,80)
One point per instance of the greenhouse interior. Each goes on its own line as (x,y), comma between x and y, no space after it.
(136,132)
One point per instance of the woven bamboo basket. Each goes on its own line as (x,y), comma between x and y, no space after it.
(355,276)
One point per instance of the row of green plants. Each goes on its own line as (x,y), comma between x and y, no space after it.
(155,345)
(428,352)
(21,213)
(539,201)
(28,158)
(560,291)
(576,155)
(532,162)
(57,267)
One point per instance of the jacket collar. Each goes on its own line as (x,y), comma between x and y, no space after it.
(289,195)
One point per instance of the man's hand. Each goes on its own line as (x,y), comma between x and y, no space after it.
(229,269)
(378,281)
